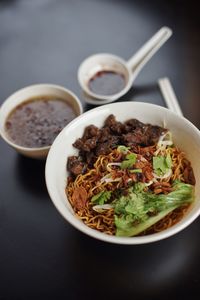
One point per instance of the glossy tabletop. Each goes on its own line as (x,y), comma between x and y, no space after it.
(41,255)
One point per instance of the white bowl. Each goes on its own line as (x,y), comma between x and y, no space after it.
(185,135)
(31,92)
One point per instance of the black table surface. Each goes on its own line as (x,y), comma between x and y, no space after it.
(41,255)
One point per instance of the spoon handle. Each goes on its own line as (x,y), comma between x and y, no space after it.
(143,55)
(169,96)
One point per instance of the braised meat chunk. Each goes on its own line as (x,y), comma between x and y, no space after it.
(132,124)
(96,141)
(134,138)
(115,126)
(91,131)
(153,133)
(75,166)
(142,134)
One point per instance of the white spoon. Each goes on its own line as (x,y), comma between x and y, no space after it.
(129,70)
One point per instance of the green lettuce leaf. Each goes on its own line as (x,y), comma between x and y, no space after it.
(129,230)
(101,197)
(133,213)
(182,193)
(161,164)
(129,161)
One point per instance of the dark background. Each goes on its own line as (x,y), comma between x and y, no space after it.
(41,255)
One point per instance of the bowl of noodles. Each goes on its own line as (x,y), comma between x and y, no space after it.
(126,173)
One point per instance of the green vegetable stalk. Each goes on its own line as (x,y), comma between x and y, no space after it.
(140,210)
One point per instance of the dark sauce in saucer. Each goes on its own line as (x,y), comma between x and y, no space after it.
(36,122)
(107,83)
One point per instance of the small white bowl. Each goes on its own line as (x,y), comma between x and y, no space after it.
(185,135)
(25,94)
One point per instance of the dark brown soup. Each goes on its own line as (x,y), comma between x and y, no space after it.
(36,122)
(107,83)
